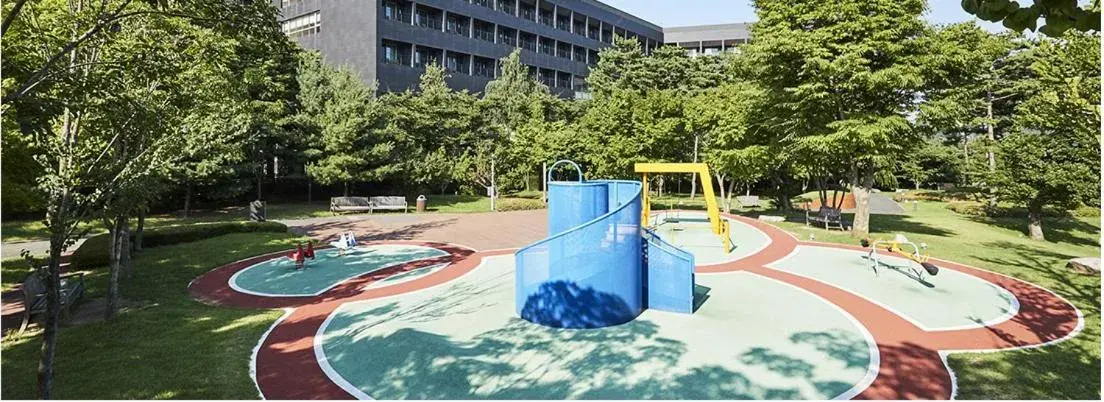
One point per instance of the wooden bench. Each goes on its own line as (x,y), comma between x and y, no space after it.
(830,217)
(748,201)
(390,202)
(350,204)
(34,294)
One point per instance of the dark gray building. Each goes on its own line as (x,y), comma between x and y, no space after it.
(390,41)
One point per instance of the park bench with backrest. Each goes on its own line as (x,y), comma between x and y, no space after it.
(829,217)
(390,202)
(34,294)
(370,204)
(748,201)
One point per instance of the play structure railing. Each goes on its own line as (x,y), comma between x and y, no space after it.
(670,275)
(557,277)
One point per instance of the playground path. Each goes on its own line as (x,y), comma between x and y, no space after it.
(883,205)
(480,231)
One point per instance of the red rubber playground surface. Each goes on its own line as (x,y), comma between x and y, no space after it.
(911,358)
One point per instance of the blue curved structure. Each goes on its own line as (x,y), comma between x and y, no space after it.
(591,272)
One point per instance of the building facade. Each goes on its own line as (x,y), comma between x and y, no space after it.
(391,41)
(708,39)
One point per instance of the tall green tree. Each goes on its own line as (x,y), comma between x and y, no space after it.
(349,145)
(840,78)
(1053,156)
(1060,15)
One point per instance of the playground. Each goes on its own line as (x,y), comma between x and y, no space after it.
(620,302)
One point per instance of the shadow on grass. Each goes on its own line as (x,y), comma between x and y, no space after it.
(878,223)
(1058,230)
(1051,265)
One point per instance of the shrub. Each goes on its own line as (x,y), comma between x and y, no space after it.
(94,251)
(519,204)
(971,208)
(1087,212)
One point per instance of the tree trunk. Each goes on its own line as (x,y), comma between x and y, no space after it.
(862,182)
(694,177)
(58,216)
(115,262)
(139,230)
(124,246)
(724,200)
(989,152)
(346,192)
(187,198)
(731,188)
(784,203)
(310,191)
(260,181)
(1035,221)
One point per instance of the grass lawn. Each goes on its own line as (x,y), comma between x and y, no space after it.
(27,230)
(169,346)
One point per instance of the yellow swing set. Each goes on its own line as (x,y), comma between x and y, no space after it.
(718,225)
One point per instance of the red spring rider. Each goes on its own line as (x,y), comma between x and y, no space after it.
(310,249)
(298,256)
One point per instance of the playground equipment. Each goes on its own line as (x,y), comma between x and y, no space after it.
(300,256)
(598,267)
(894,247)
(718,225)
(346,242)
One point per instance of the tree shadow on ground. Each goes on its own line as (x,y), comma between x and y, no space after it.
(878,223)
(521,360)
(1051,265)
(1058,229)
(563,304)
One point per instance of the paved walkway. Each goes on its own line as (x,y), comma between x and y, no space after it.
(480,231)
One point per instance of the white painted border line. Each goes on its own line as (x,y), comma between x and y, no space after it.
(392,281)
(320,352)
(233,282)
(257,350)
(872,368)
(1013,310)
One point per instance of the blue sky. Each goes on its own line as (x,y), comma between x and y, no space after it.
(671,13)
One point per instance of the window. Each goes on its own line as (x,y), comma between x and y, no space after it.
(607,36)
(547,46)
(528,42)
(563,22)
(303,25)
(592,58)
(528,13)
(286,3)
(548,78)
(395,53)
(484,67)
(563,80)
(507,36)
(457,24)
(424,56)
(580,26)
(580,54)
(394,11)
(427,17)
(484,30)
(507,7)
(545,17)
(484,3)
(457,63)
(593,31)
(563,50)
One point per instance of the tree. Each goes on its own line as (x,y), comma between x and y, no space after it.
(1060,15)
(973,80)
(1053,157)
(349,145)
(77,84)
(840,78)
(928,162)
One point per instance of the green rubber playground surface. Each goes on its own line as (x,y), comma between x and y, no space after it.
(691,231)
(949,300)
(752,337)
(278,277)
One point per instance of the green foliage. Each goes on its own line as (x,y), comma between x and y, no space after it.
(930,162)
(94,251)
(345,118)
(519,204)
(1053,158)
(1060,15)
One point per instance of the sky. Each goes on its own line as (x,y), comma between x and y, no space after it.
(673,13)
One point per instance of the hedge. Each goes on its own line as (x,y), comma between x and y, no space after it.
(94,251)
(974,208)
(519,204)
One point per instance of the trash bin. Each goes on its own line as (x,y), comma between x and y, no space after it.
(257,211)
(421,203)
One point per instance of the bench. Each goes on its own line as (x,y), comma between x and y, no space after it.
(830,217)
(350,204)
(34,294)
(390,202)
(748,201)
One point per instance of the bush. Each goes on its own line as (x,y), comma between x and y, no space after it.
(1087,212)
(971,208)
(519,204)
(94,251)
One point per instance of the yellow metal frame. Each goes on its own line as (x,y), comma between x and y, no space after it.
(707,190)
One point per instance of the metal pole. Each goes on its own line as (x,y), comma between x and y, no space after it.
(494,191)
(544,179)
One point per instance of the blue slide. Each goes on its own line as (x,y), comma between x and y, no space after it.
(599,267)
